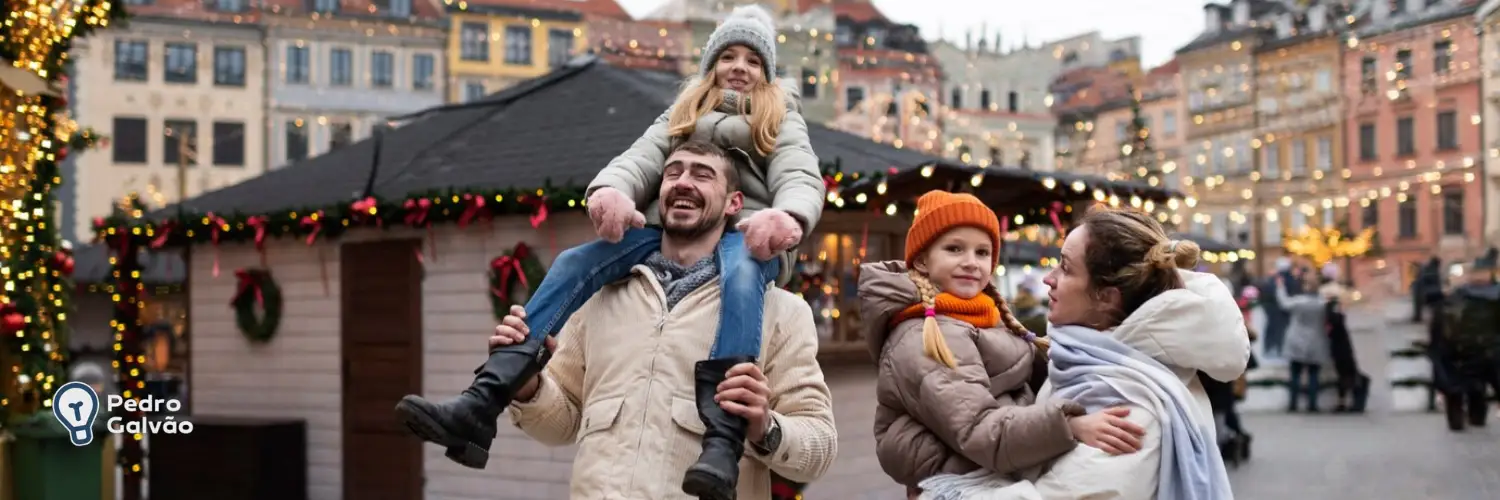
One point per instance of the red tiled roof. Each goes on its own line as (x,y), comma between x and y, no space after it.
(424,9)
(805,5)
(604,8)
(859,11)
(646,33)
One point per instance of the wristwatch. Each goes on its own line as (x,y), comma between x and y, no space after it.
(771,441)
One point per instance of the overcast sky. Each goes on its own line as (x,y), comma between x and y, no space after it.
(1163,25)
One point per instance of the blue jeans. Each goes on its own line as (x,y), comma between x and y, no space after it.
(1294,386)
(580,272)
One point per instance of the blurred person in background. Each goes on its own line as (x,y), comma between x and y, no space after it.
(1277,318)
(1468,344)
(1341,346)
(1306,340)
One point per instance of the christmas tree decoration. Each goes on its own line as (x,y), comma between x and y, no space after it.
(35,136)
(256,289)
(128,293)
(1322,245)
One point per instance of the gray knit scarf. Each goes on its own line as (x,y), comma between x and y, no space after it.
(679,281)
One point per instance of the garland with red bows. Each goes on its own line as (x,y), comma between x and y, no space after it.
(517,270)
(256,289)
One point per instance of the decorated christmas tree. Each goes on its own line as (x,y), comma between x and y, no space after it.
(35,137)
(1136,154)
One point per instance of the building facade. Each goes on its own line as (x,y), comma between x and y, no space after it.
(1218,74)
(1414,142)
(996,102)
(1488,18)
(494,44)
(1161,112)
(178,71)
(888,84)
(335,78)
(1299,180)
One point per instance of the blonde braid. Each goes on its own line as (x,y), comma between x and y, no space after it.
(933,343)
(1042,343)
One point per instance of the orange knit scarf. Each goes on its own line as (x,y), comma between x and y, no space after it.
(979,311)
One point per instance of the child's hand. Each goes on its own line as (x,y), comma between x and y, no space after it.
(1108,431)
(613,213)
(770,232)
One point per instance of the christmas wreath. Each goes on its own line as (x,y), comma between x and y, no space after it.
(513,276)
(257,288)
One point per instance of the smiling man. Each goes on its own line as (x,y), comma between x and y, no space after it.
(651,421)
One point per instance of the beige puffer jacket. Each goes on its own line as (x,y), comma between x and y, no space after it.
(982,411)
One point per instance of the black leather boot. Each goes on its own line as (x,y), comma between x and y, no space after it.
(1453,403)
(1479,408)
(717,473)
(466,425)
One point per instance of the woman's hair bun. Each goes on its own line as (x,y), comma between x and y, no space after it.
(1173,254)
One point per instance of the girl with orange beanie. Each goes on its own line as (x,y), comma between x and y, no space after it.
(957,372)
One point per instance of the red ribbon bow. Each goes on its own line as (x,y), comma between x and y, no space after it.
(163,233)
(364,210)
(540,204)
(507,268)
(473,208)
(218,225)
(1057,208)
(247,282)
(259,223)
(313,222)
(416,211)
(830,184)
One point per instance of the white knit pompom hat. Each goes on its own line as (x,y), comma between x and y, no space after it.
(748,25)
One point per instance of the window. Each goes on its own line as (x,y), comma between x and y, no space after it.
(1120,132)
(325,6)
(182,63)
(229,5)
(1013,101)
(340,67)
(175,131)
(1370,215)
(1299,158)
(809,83)
(296,140)
(875,36)
(1442,56)
(296,64)
(229,144)
(852,97)
(1323,81)
(1273,232)
(984,99)
(130,60)
(997,156)
(1367,74)
(396,8)
(957,101)
(1453,210)
(340,135)
(1169,123)
(1405,142)
(473,91)
(1367,148)
(129,140)
(1273,161)
(518,45)
(559,47)
(842,36)
(382,69)
(1407,218)
(422,68)
(1325,153)
(1447,130)
(474,42)
(1403,63)
(229,66)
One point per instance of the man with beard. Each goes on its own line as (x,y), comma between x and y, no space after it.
(623,383)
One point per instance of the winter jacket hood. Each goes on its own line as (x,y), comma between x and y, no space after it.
(1198,327)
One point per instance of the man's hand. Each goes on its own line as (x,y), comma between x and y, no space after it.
(612,213)
(511,331)
(1108,431)
(744,392)
(770,232)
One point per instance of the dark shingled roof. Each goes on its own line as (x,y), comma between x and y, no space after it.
(562,127)
(91,266)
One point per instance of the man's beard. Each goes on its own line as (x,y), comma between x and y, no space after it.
(707,223)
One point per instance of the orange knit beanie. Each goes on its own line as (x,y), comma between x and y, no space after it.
(940,211)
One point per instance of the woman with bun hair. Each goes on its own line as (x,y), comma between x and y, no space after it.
(1130,326)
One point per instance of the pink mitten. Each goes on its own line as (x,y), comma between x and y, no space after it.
(770,232)
(612,213)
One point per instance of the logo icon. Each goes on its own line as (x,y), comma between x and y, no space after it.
(75,405)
